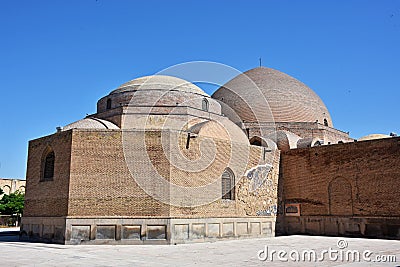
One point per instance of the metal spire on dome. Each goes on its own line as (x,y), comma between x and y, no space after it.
(260,61)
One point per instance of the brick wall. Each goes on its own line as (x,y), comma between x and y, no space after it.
(359,179)
(368,172)
(101,183)
(48,198)
(93,179)
(247,202)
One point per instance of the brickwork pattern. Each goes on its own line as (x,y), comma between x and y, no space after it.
(97,181)
(101,183)
(289,99)
(368,171)
(48,198)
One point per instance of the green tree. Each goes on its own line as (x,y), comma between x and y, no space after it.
(12,204)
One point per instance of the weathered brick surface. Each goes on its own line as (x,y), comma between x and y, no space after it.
(101,183)
(94,180)
(352,180)
(48,198)
(247,202)
(368,171)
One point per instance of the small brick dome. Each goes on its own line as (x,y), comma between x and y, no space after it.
(157,90)
(159,82)
(289,99)
(373,137)
(90,123)
(223,129)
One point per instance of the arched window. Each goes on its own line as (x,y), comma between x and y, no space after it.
(317,143)
(326,122)
(108,104)
(258,141)
(48,166)
(204,105)
(255,141)
(228,185)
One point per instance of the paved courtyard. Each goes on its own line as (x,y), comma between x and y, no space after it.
(220,253)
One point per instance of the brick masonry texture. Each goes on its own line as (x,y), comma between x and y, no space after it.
(101,184)
(352,180)
(48,198)
(289,100)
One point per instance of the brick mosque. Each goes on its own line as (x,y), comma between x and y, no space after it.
(162,162)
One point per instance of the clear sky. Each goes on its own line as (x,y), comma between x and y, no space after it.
(57,58)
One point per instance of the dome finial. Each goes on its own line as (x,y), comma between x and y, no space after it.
(260,61)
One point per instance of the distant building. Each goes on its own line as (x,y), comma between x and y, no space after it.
(162,162)
(9,185)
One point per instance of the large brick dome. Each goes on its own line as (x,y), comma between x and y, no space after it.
(289,99)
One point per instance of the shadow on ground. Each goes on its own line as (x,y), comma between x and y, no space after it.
(9,236)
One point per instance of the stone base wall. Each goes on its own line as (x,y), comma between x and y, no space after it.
(137,231)
(209,229)
(43,229)
(376,227)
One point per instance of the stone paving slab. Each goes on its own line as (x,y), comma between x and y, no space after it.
(220,253)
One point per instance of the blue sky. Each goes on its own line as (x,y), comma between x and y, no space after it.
(57,58)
